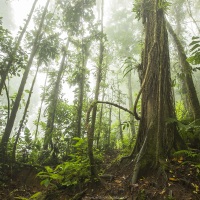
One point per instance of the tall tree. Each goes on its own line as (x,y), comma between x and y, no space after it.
(17,44)
(53,103)
(187,71)
(10,123)
(156,138)
(22,122)
(90,134)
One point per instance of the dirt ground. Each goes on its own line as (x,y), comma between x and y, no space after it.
(181,181)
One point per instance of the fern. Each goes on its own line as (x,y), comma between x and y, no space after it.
(189,155)
(195,51)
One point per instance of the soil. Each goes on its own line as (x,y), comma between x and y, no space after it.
(180,180)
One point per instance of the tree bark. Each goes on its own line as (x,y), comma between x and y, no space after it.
(156,138)
(187,71)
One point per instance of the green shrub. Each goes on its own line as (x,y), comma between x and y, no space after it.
(74,172)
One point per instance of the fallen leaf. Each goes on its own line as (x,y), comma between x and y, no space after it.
(162,192)
(117,181)
(173,179)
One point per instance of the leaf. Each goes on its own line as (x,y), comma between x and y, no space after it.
(45,182)
(180,160)
(56,177)
(162,192)
(195,37)
(194,42)
(174,179)
(27,91)
(36,195)
(196,187)
(49,169)
(21,198)
(118,181)
(195,47)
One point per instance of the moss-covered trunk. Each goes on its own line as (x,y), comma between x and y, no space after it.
(156,137)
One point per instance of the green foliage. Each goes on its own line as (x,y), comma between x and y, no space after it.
(137,9)
(128,65)
(189,132)
(71,173)
(36,196)
(181,112)
(164,5)
(188,154)
(195,51)
(140,7)
(7,48)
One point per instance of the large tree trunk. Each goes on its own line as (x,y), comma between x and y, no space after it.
(10,62)
(187,71)
(156,138)
(10,123)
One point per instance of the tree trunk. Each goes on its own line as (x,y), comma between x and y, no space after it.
(130,98)
(100,120)
(40,108)
(109,128)
(10,123)
(187,71)
(10,62)
(81,93)
(120,129)
(90,134)
(53,104)
(24,116)
(156,138)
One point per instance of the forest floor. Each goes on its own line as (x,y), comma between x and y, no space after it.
(181,181)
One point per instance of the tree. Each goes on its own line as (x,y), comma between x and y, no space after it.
(90,133)
(53,103)
(5,72)
(156,138)
(10,123)
(187,72)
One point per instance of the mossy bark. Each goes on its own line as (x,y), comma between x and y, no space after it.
(156,137)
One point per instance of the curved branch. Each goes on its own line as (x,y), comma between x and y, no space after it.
(116,105)
(103,102)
